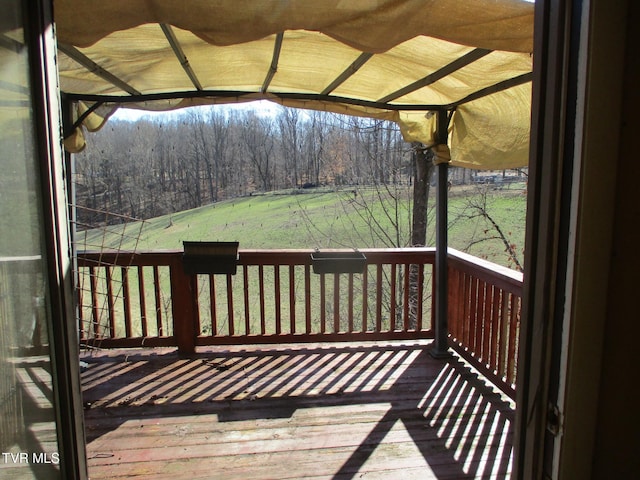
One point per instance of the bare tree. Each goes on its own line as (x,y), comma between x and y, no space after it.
(258,141)
(289,125)
(423,170)
(478,207)
(315,134)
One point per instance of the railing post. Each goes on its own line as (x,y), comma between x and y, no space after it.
(184,309)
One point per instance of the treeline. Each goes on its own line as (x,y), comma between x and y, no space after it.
(153,167)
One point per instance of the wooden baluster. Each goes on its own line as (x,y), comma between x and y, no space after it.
(213,305)
(307,297)
(336,302)
(473,317)
(197,327)
(379,299)
(263,322)
(126,301)
(276,299)
(504,335)
(453,303)
(323,299)
(81,325)
(486,328)
(111,308)
(158,300)
(420,298)
(365,298)
(393,296)
(514,316)
(406,296)
(351,295)
(495,327)
(247,316)
(230,309)
(292,300)
(477,343)
(466,317)
(144,328)
(95,312)
(433,300)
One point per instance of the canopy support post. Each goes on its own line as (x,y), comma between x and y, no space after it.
(441,345)
(68,127)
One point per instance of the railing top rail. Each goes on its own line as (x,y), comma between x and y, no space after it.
(255,256)
(303,256)
(485,270)
(126,258)
(265,251)
(94,253)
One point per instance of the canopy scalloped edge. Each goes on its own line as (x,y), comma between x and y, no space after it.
(489,131)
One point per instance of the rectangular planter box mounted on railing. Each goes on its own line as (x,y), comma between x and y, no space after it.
(338,262)
(210,257)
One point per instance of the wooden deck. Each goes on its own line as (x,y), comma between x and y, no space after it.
(316,411)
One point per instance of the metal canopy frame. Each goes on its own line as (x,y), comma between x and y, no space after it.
(385,103)
(177,49)
(444,111)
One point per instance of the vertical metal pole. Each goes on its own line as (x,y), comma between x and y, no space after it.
(70,175)
(69,164)
(441,344)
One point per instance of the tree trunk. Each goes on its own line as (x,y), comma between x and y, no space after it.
(423,168)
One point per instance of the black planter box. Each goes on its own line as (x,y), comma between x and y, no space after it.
(338,262)
(210,257)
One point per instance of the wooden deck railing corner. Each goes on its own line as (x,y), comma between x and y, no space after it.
(275,298)
(485,302)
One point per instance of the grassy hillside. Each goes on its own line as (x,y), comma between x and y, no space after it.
(326,219)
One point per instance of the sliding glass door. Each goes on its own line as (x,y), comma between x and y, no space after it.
(38,392)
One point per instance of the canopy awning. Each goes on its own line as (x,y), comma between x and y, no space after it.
(387,59)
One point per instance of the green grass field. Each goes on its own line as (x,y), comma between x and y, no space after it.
(327,219)
(323,219)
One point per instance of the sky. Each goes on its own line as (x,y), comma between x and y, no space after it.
(262,107)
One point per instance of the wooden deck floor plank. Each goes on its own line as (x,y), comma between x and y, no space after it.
(267,366)
(320,421)
(214,381)
(232,387)
(391,430)
(387,411)
(278,427)
(246,405)
(248,391)
(230,414)
(388,460)
(101,367)
(297,464)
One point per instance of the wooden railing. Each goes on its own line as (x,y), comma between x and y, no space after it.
(124,298)
(485,302)
(147,299)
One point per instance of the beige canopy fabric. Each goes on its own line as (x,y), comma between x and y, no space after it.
(386,59)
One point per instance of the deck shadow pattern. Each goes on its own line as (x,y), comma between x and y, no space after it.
(36,434)
(322,411)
